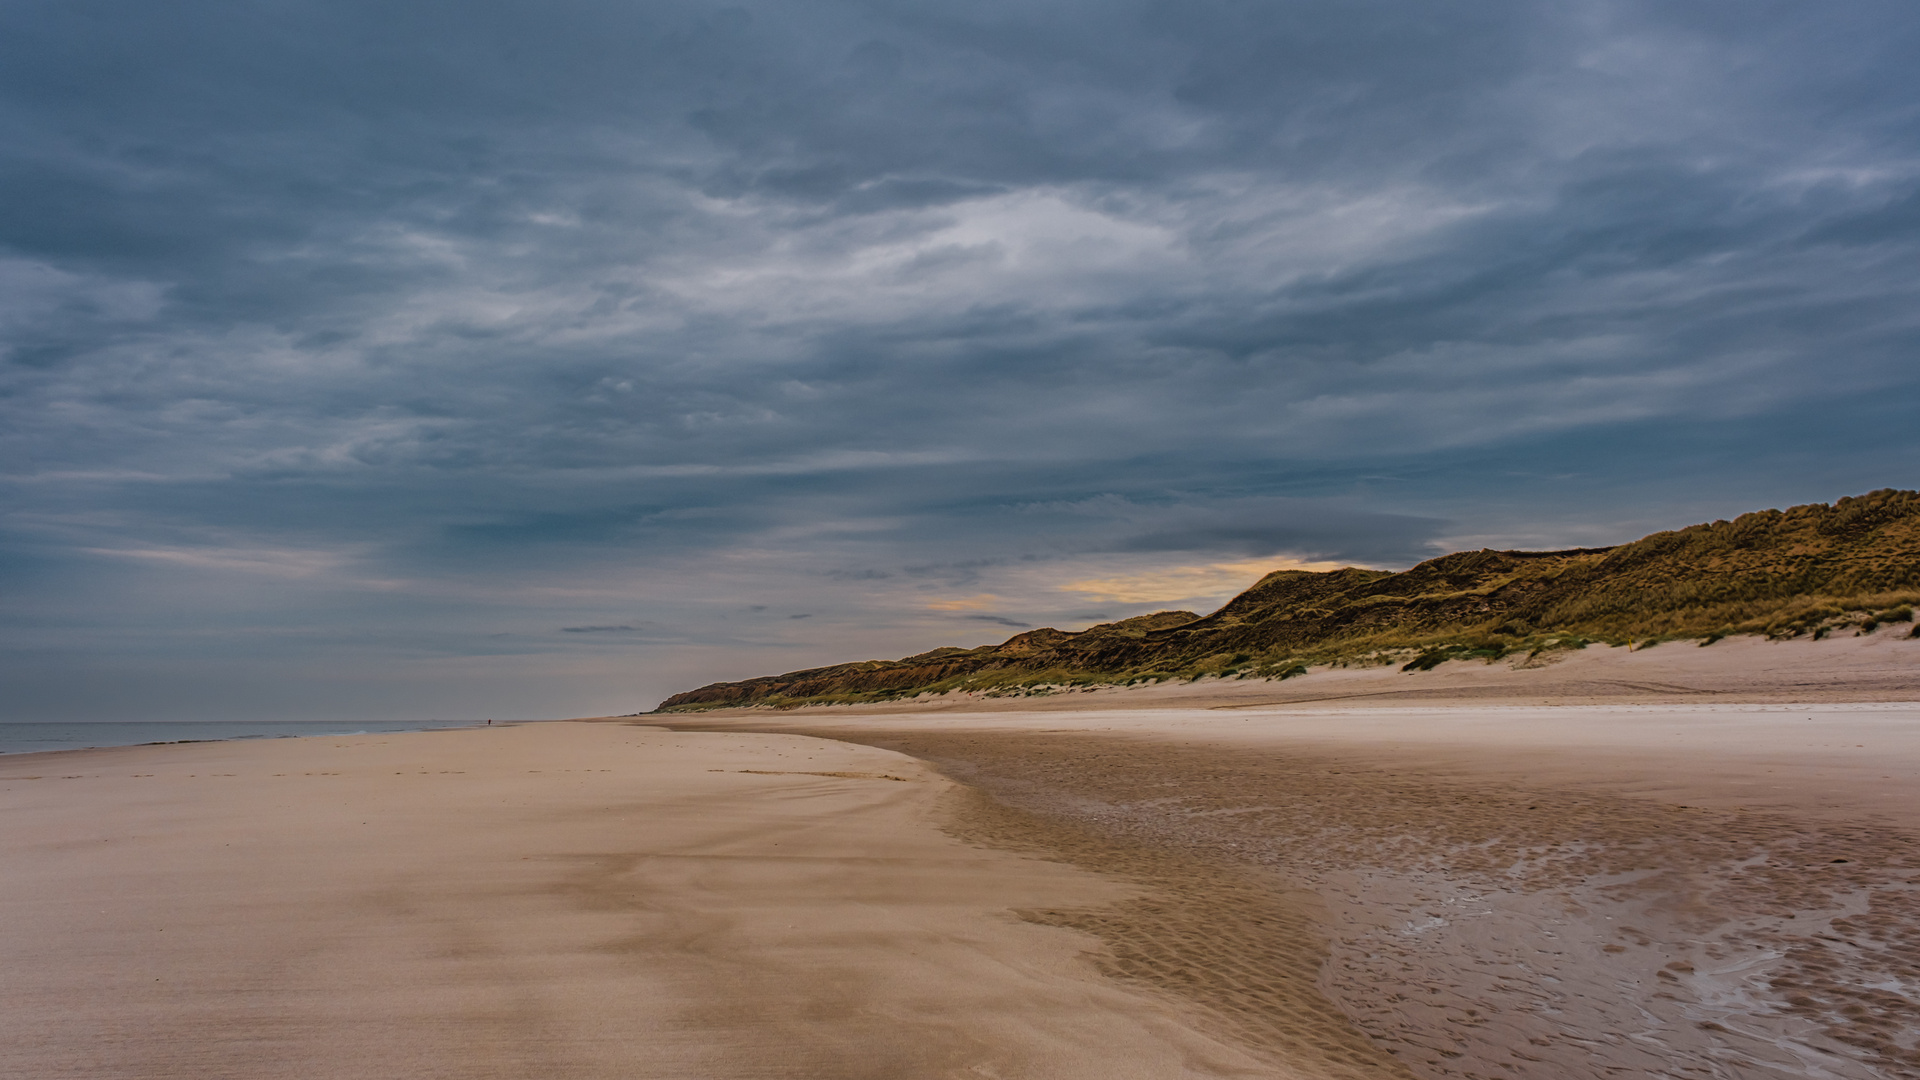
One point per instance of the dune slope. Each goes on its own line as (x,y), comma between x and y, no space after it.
(1779,573)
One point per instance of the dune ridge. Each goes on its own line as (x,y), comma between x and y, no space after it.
(1802,572)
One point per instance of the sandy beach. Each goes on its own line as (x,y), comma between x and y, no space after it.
(551,900)
(1648,864)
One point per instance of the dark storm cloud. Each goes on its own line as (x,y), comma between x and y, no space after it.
(471,319)
(1257,527)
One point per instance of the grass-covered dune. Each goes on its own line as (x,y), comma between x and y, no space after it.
(1782,573)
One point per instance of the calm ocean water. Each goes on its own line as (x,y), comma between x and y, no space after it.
(27,738)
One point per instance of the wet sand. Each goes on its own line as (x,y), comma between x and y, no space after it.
(1478,887)
(552,900)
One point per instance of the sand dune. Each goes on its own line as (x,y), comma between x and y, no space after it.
(1883,666)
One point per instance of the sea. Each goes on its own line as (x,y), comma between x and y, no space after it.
(31,737)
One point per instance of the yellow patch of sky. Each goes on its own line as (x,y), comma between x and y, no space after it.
(1221,579)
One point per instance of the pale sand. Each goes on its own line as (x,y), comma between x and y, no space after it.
(1700,879)
(554,900)
(1686,872)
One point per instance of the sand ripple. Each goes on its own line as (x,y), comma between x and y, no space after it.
(1470,929)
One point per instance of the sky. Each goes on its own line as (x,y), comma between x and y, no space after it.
(414,359)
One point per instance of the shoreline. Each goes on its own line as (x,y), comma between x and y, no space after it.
(12,744)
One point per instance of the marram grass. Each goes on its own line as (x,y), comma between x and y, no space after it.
(1810,570)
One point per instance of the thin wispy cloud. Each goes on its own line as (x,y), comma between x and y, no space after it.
(999,620)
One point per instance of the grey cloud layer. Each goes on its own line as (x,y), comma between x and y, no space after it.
(549,320)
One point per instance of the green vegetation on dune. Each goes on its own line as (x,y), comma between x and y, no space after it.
(1780,573)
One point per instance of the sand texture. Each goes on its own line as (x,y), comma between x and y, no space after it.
(1483,928)
(1691,887)
(555,900)
(1649,864)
